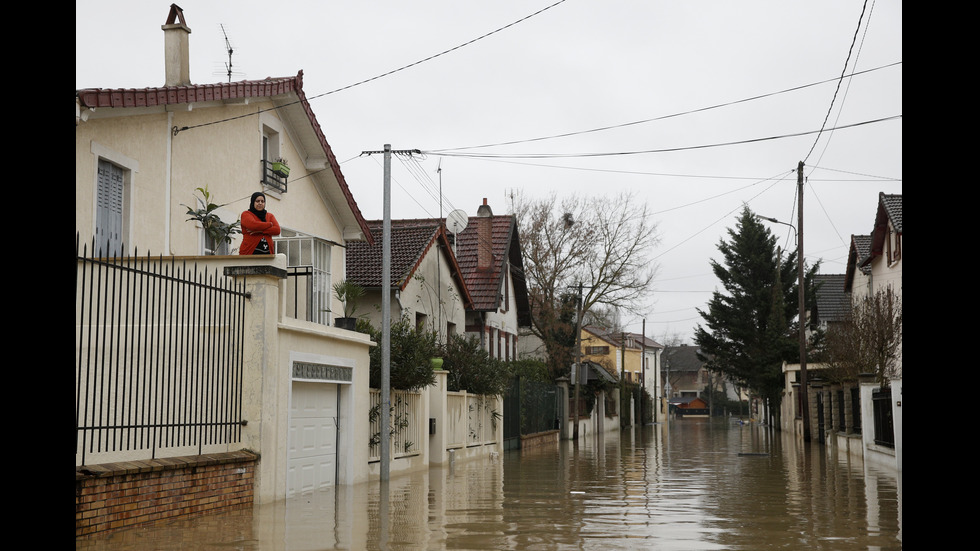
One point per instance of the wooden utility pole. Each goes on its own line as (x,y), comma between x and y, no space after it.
(804,398)
(578,361)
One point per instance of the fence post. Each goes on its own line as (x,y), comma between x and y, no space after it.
(438,415)
(265,385)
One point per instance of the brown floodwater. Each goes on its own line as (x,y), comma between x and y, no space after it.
(684,485)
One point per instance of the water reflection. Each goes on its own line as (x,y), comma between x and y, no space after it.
(687,485)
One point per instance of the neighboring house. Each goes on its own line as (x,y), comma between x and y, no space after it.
(492,264)
(683,372)
(624,354)
(688,406)
(833,301)
(650,350)
(140,153)
(857,280)
(599,347)
(885,259)
(426,284)
(861,418)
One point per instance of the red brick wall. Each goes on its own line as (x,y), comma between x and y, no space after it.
(123,495)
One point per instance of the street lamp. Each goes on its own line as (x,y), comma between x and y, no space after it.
(804,398)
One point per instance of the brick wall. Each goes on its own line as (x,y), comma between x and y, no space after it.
(123,495)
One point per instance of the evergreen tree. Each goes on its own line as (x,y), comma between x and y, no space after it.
(750,328)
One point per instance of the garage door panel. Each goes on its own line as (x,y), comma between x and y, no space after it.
(312,451)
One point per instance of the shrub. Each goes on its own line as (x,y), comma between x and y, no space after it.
(411,351)
(471,368)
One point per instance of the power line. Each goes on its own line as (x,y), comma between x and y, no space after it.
(664,117)
(648,151)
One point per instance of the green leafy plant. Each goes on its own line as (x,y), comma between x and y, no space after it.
(217,230)
(348,293)
(411,352)
(472,369)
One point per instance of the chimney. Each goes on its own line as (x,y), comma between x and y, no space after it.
(484,236)
(176,50)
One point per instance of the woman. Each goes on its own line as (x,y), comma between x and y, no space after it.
(258,227)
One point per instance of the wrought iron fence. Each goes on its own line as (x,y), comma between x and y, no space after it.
(881,400)
(158,356)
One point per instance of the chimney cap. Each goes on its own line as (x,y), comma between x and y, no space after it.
(484,209)
(176,18)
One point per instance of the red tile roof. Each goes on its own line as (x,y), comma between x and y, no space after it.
(411,240)
(485,282)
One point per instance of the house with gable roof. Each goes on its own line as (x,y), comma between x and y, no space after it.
(140,156)
(492,265)
(426,279)
(850,414)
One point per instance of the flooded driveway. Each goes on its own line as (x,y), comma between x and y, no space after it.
(685,485)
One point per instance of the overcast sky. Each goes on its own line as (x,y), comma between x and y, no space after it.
(704,106)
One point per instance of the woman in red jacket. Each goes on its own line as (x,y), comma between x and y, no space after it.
(258,227)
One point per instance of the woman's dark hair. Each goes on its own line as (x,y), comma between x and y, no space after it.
(251,206)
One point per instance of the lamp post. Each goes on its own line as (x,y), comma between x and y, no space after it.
(804,398)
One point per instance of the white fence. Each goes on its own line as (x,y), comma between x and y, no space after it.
(472,420)
(407,424)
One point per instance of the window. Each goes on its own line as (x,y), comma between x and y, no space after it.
(271,150)
(312,289)
(420,320)
(109,226)
(113,199)
(596,350)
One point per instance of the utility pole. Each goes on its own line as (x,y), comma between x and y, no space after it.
(799,251)
(386,314)
(578,362)
(643,368)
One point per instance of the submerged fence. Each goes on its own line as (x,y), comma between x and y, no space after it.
(158,356)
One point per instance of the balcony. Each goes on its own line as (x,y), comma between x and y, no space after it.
(273,178)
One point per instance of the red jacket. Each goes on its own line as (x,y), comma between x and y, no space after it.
(253,230)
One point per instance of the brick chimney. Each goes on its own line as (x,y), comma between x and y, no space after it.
(176,48)
(484,227)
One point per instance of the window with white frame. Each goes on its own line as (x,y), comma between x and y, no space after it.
(312,291)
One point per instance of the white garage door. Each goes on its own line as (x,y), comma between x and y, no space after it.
(312,458)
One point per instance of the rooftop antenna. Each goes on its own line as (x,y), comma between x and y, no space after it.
(230,51)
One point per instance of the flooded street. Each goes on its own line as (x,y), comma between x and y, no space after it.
(689,484)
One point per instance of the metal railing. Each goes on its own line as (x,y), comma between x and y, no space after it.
(272,178)
(158,356)
(881,401)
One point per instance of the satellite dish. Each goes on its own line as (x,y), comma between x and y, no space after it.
(457,221)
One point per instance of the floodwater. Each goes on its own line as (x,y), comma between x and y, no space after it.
(684,485)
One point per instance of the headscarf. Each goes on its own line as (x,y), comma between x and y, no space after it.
(260,214)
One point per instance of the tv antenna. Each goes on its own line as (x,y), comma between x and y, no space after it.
(230,50)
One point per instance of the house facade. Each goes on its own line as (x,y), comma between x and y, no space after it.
(861,418)
(140,156)
(492,265)
(684,374)
(427,287)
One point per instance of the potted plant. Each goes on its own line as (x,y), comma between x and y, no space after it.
(347,292)
(217,231)
(280,167)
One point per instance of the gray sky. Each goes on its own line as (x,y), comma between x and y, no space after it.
(723,98)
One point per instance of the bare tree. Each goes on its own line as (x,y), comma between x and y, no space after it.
(870,340)
(593,249)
